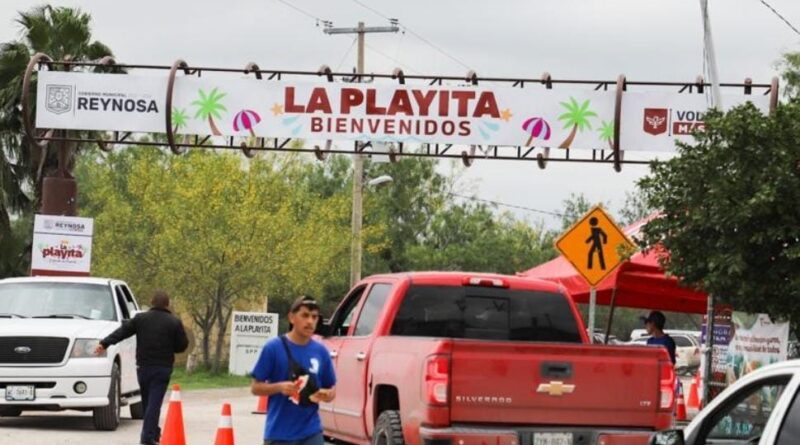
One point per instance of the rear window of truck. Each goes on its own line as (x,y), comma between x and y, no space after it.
(486,314)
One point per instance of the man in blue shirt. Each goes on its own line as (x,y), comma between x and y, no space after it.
(654,324)
(297,373)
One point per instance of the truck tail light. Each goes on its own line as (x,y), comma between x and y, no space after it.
(667,386)
(437,379)
(485,282)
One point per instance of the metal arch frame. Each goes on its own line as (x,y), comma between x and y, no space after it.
(320,154)
(428,150)
(178,64)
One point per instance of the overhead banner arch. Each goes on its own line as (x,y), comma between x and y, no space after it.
(494,118)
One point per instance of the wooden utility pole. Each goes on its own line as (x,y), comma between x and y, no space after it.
(358,159)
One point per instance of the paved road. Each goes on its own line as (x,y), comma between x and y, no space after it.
(201,412)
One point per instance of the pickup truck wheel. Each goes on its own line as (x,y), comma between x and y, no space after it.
(9,411)
(137,411)
(107,417)
(388,430)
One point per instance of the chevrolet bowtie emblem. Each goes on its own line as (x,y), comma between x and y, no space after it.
(555,388)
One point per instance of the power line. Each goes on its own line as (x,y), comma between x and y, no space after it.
(305,13)
(414,33)
(373,10)
(473,198)
(372,48)
(328,24)
(347,53)
(780,16)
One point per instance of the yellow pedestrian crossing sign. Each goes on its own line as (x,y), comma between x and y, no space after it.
(593,245)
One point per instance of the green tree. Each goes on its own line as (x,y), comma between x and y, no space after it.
(573,209)
(217,233)
(634,208)
(577,117)
(208,107)
(61,33)
(730,217)
(471,237)
(790,71)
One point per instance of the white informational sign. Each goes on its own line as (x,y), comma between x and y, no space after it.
(388,112)
(62,245)
(249,332)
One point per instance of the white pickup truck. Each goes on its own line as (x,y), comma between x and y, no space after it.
(49,328)
(763,408)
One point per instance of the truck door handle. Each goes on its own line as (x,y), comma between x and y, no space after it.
(361,356)
(556,370)
(334,354)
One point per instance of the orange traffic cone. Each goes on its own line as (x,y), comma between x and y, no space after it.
(173,427)
(225,429)
(693,401)
(262,405)
(680,409)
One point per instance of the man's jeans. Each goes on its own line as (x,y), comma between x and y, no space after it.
(316,439)
(153,382)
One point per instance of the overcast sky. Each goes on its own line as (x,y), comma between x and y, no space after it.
(654,40)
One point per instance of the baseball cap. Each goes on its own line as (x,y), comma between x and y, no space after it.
(655,317)
(304,301)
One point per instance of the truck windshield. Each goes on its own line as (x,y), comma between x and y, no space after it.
(486,314)
(56,300)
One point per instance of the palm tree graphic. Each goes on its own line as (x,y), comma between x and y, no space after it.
(209,108)
(577,117)
(179,119)
(607,133)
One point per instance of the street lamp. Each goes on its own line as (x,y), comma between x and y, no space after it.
(358,219)
(380,180)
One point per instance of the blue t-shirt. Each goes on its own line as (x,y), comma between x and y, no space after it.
(665,341)
(287,421)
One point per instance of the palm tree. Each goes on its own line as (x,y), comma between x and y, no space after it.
(208,107)
(61,33)
(607,133)
(577,117)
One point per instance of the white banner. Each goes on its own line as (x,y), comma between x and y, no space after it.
(467,115)
(656,121)
(249,332)
(62,245)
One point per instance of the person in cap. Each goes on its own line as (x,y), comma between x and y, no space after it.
(296,373)
(654,324)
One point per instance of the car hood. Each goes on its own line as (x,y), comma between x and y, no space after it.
(49,327)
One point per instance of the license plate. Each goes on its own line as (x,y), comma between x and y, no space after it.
(552,438)
(20,392)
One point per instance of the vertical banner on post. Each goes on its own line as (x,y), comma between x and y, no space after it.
(249,332)
(62,246)
(723,333)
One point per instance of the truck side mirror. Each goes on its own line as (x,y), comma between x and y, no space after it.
(671,437)
(323,328)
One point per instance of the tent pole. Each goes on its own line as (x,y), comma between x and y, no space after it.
(592,304)
(611,314)
(709,353)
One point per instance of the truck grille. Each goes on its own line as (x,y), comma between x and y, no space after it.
(29,350)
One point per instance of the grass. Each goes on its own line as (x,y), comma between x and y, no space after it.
(202,379)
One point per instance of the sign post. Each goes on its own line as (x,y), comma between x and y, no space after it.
(249,332)
(593,246)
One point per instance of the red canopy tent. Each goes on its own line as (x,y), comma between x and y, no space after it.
(639,282)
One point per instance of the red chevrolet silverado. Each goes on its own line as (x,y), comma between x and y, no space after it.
(478,359)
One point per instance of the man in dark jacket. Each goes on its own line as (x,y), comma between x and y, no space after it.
(159,335)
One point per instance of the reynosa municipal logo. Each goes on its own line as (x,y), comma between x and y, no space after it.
(59,98)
